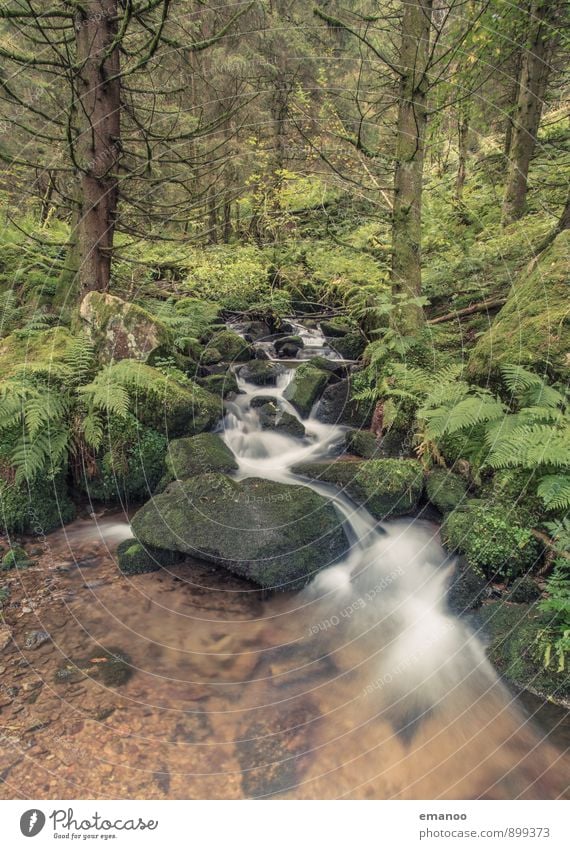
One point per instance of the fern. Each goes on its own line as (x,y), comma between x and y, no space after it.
(530,446)
(554,490)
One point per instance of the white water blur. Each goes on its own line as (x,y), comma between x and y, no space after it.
(388,592)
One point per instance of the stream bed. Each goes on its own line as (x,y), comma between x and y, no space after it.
(363,685)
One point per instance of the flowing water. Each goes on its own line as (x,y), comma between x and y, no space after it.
(363,685)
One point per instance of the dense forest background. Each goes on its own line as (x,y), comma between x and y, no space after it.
(399,171)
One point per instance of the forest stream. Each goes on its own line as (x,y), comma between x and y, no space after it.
(362,685)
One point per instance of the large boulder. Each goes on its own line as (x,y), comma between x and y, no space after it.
(37,507)
(384,487)
(445,489)
(197,455)
(305,388)
(363,443)
(39,350)
(274,534)
(350,347)
(121,330)
(533,328)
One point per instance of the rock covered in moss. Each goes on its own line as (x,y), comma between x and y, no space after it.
(363,443)
(523,591)
(121,330)
(385,487)
(37,507)
(288,346)
(274,417)
(350,347)
(533,327)
(338,406)
(336,327)
(491,539)
(136,559)
(305,388)
(261,372)
(165,404)
(514,649)
(274,534)
(445,489)
(198,455)
(231,345)
(467,588)
(221,385)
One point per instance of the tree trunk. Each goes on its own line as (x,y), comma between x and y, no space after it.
(463,137)
(97,148)
(412,121)
(533,84)
(212,219)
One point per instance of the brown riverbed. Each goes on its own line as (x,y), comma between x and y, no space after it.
(229,698)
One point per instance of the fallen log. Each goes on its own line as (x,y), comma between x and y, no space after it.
(474,308)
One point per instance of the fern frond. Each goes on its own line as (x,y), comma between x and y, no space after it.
(555,491)
(530,446)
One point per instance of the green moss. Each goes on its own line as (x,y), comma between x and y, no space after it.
(197,455)
(275,534)
(16,558)
(136,559)
(130,464)
(514,632)
(351,346)
(35,508)
(363,443)
(305,388)
(445,490)
(261,372)
(164,404)
(491,539)
(220,385)
(231,346)
(337,326)
(533,327)
(34,350)
(385,487)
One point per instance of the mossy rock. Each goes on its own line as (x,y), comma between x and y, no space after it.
(290,343)
(35,508)
(121,329)
(165,404)
(211,357)
(467,588)
(335,368)
(513,649)
(491,539)
(385,487)
(274,534)
(350,347)
(136,559)
(305,388)
(336,327)
(198,455)
(220,385)
(129,465)
(16,558)
(510,489)
(232,346)
(363,443)
(337,406)
(37,350)
(533,327)
(445,489)
(523,591)
(110,666)
(261,372)
(273,417)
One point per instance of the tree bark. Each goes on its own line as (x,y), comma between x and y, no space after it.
(462,142)
(412,121)
(533,83)
(97,148)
